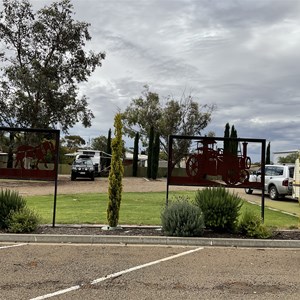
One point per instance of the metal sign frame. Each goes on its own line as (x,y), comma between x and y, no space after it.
(230,170)
(21,172)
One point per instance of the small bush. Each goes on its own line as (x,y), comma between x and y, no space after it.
(252,226)
(182,218)
(10,201)
(220,208)
(23,221)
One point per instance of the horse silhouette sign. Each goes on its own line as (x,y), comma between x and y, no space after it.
(28,153)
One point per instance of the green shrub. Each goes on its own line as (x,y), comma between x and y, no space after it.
(182,218)
(10,201)
(220,208)
(23,221)
(251,225)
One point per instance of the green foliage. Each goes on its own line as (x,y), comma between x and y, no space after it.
(181,117)
(233,144)
(73,142)
(23,221)
(44,59)
(291,158)
(268,154)
(115,175)
(230,146)
(251,225)
(182,218)
(150,152)
(135,155)
(155,157)
(108,149)
(220,208)
(226,135)
(10,201)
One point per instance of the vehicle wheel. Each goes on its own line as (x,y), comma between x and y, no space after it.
(248,191)
(273,193)
(93,178)
(244,176)
(232,177)
(193,166)
(73,177)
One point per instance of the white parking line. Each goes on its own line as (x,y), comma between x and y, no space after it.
(11,246)
(114,275)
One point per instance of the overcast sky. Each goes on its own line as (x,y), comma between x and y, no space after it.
(241,55)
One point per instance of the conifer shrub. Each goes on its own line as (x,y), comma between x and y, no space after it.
(23,221)
(182,218)
(220,208)
(251,226)
(10,201)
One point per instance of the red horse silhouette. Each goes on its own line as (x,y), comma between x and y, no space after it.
(37,153)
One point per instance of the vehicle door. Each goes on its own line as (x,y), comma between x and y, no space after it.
(269,172)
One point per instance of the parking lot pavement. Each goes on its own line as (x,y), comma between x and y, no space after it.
(52,271)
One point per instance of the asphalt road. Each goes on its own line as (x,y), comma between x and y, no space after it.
(36,271)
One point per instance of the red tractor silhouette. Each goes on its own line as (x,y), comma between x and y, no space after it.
(209,161)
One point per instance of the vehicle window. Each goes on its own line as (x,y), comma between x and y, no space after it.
(268,171)
(291,171)
(278,171)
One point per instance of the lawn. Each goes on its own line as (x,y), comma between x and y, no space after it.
(136,209)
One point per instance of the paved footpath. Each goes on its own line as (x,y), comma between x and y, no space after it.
(97,271)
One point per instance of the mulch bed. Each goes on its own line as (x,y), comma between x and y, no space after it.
(152,231)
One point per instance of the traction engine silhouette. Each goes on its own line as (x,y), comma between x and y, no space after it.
(212,161)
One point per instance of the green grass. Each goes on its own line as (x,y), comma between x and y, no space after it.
(136,209)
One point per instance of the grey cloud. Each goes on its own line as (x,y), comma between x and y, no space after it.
(241,55)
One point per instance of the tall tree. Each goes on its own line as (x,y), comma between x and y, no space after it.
(268,154)
(226,135)
(183,117)
(135,155)
(233,146)
(150,152)
(99,143)
(155,157)
(46,59)
(108,150)
(73,142)
(115,175)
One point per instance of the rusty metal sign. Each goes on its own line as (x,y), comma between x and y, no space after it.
(210,163)
(30,154)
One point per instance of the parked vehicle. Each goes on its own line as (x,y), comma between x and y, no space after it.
(94,155)
(83,167)
(278,180)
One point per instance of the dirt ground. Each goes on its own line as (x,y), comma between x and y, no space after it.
(66,186)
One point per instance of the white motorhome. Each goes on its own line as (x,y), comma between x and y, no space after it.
(94,155)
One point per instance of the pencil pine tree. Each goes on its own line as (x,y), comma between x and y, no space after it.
(226,135)
(115,175)
(150,152)
(108,149)
(135,155)
(155,157)
(268,156)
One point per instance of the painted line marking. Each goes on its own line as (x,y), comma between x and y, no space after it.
(117,274)
(11,246)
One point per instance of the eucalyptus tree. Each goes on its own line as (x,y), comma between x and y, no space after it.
(43,61)
(178,117)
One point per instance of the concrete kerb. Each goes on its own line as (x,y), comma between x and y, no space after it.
(147,240)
